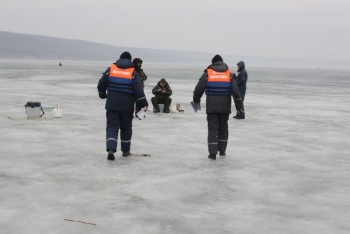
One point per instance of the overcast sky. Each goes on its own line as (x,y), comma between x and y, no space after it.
(307,29)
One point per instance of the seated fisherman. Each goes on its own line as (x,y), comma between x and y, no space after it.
(162,92)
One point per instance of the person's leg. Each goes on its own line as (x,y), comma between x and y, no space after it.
(241,115)
(213,125)
(242,93)
(223,133)
(137,105)
(113,124)
(167,103)
(155,104)
(125,132)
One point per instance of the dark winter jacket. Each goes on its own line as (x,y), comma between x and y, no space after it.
(141,73)
(161,95)
(217,104)
(242,76)
(139,70)
(122,101)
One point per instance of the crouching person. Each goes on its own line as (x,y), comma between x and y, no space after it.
(121,85)
(162,92)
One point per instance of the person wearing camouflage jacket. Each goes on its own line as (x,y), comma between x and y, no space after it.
(138,64)
(162,92)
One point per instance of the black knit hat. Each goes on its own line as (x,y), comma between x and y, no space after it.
(126,55)
(162,80)
(216,59)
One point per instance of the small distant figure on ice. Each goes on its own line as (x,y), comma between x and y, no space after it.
(241,80)
(60,64)
(138,64)
(219,85)
(162,92)
(121,85)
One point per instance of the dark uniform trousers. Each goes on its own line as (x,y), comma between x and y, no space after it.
(118,120)
(242,93)
(217,132)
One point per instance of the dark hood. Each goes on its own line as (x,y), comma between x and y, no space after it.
(166,84)
(219,66)
(137,60)
(241,66)
(124,63)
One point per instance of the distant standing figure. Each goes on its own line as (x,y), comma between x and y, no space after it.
(121,85)
(219,85)
(60,64)
(162,92)
(138,64)
(241,80)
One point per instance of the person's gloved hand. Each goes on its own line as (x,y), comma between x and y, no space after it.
(102,95)
(239,105)
(196,99)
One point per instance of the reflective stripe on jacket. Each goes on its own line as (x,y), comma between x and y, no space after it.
(120,80)
(219,83)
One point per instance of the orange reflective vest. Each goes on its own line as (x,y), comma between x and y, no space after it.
(219,83)
(119,79)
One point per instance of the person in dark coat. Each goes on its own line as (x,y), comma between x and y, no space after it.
(121,85)
(219,85)
(241,80)
(162,92)
(138,64)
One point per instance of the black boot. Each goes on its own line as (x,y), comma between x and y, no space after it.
(212,156)
(125,154)
(235,115)
(166,108)
(241,115)
(222,145)
(110,155)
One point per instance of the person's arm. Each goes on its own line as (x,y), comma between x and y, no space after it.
(143,76)
(138,90)
(242,79)
(102,84)
(155,90)
(200,87)
(168,92)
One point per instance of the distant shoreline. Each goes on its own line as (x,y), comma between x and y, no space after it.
(35,47)
(202,65)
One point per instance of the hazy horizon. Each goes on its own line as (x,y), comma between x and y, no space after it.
(28,46)
(313,30)
(178,50)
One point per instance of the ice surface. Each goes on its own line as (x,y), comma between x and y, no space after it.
(286,169)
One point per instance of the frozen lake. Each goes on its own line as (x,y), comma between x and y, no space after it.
(286,169)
